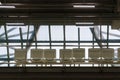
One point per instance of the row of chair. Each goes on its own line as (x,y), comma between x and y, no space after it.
(67,56)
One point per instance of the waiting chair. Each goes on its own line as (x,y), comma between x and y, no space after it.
(50,56)
(66,56)
(78,55)
(107,55)
(37,56)
(118,56)
(94,55)
(20,56)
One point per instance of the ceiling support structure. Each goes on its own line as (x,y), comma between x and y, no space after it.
(7,42)
(64,37)
(96,38)
(49,29)
(7,32)
(28,32)
(118,6)
(15,35)
(107,36)
(93,36)
(21,37)
(33,37)
(98,31)
(101,38)
(78,37)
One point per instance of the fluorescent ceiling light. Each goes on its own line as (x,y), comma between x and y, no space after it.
(10,24)
(18,16)
(83,6)
(85,16)
(23,16)
(7,6)
(84,23)
(12,16)
(85,26)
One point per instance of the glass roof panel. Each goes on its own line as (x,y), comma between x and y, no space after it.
(14,32)
(43,34)
(57,32)
(2,33)
(71,33)
(85,34)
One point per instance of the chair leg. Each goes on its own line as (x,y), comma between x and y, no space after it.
(73,65)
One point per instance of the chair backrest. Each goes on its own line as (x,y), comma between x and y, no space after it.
(65,53)
(20,54)
(94,53)
(36,53)
(118,53)
(107,53)
(49,53)
(78,53)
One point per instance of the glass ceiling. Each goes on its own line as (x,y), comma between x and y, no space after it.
(55,37)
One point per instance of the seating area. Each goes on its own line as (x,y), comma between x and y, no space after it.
(75,56)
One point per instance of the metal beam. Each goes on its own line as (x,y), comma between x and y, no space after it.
(21,37)
(98,30)
(88,41)
(28,32)
(33,37)
(8,31)
(7,42)
(52,20)
(57,1)
(78,37)
(112,34)
(95,36)
(64,37)
(100,43)
(118,6)
(15,35)
(49,28)
(107,36)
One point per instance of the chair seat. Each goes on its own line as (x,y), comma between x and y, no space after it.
(66,61)
(78,60)
(50,61)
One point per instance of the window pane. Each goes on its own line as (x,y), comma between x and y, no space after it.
(43,33)
(57,32)
(71,33)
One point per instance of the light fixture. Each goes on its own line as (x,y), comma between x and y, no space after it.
(23,16)
(83,6)
(84,23)
(3,6)
(13,16)
(0,3)
(84,16)
(14,24)
(18,16)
